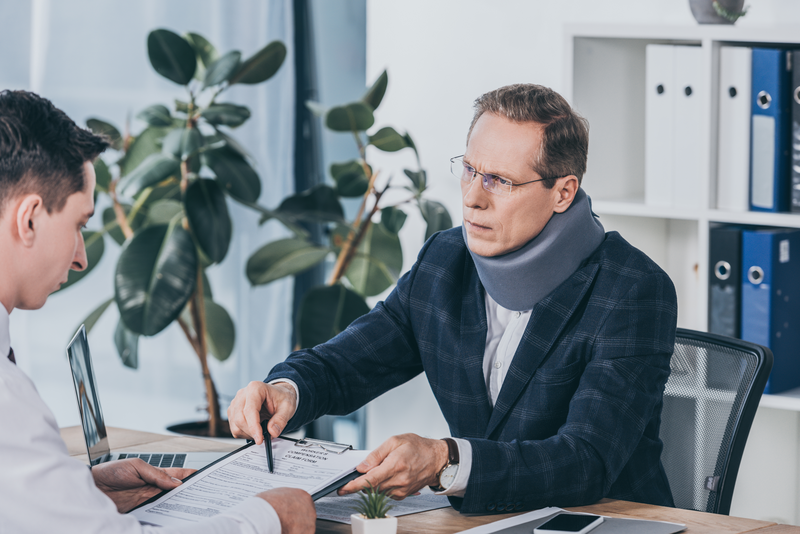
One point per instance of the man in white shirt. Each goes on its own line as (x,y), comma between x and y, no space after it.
(47,186)
(545,340)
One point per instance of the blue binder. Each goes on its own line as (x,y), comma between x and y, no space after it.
(771,300)
(770,138)
(725,280)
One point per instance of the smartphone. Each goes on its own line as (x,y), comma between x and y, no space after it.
(569,523)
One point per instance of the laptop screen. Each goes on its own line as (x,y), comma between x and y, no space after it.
(94,429)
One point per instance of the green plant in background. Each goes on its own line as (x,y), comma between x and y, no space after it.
(373,503)
(168,188)
(368,253)
(728,14)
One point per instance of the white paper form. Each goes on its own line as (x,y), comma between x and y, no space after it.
(245,474)
(335,508)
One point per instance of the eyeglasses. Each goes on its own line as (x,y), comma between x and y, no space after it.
(491,182)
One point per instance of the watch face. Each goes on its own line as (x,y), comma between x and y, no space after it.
(448,475)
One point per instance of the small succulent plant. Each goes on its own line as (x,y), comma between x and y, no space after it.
(374,503)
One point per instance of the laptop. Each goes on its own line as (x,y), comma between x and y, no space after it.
(94,428)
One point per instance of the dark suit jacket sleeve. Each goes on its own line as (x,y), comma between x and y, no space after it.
(620,388)
(375,354)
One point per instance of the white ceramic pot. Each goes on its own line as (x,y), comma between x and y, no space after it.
(362,525)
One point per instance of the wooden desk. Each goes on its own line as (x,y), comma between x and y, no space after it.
(447,520)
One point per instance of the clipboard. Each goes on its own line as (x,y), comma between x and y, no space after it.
(330,446)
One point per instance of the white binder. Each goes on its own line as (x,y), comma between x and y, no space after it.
(733,163)
(660,96)
(687,167)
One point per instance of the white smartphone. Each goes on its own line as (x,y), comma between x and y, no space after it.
(569,523)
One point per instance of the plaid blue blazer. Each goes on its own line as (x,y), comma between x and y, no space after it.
(577,418)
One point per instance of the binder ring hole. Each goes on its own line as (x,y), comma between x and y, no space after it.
(722,270)
(797,94)
(660,89)
(763,99)
(688,90)
(732,91)
(755,274)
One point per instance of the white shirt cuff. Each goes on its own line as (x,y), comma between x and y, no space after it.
(459,487)
(294,386)
(254,515)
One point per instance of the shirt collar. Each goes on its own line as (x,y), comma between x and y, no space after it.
(5,339)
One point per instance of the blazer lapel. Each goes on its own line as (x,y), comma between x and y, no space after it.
(548,319)
(471,350)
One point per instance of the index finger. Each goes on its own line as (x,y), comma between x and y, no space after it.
(252,415)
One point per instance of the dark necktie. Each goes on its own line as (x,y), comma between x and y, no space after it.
(11,355)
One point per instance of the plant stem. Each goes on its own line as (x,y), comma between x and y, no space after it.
(199,322)
(355,236)
(137,206)
(122,220)
(354,239)
(198,314)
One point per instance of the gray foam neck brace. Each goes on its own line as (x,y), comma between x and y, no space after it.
(518,280)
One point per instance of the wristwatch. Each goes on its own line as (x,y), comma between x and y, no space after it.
(448,473)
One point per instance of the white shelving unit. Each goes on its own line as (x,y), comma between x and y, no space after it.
(605,82)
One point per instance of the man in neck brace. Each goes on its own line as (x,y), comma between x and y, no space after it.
(546,341)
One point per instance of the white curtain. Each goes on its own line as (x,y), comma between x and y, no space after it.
(89,57)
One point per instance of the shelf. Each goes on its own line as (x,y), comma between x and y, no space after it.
(758,218)
(788,400)
(692,33)
(637,208)
(634,208)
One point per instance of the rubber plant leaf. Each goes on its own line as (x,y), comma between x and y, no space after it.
(222,69)
(171,56)
(154,169)
(207,212)
(235,175)
(282,258)
(262,65)
(127,344)
(155,276)
(220,331)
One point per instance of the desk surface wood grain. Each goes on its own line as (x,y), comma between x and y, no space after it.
(446,520)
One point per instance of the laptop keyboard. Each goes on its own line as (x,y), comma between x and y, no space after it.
(157,460)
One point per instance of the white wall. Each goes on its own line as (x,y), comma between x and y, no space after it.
(441,56)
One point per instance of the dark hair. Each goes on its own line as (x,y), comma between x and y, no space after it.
(565,140)
(42,150)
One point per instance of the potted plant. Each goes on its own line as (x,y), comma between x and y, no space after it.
(371,511)
(368,254)
(168,187)
(717,11)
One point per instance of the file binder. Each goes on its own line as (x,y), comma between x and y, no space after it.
(770,130)
(725,280)
(771,300)
(733,154)
(688,148)
(659,124)
(795,101)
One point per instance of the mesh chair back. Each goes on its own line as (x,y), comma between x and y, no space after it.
(710,401)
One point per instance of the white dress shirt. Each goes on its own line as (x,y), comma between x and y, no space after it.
(504,332)
(43,489)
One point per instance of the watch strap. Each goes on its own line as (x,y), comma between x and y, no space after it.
(452,451)
(452,459)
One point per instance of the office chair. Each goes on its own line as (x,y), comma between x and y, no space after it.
(710,401)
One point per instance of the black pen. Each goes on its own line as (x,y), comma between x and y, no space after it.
(268,447)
